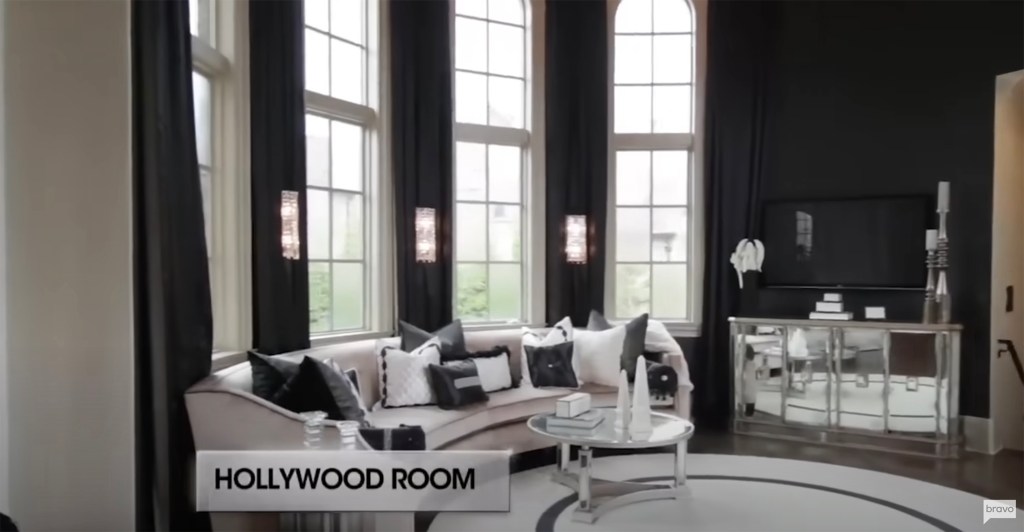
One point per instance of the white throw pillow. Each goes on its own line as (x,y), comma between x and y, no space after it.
(658,339)
(404,378)
(561,332)
(600,354)
(494,372)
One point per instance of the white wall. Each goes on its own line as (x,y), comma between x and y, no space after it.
(1006,400)
(69,276)
(4,472)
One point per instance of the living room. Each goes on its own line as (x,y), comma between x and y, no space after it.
(765,251)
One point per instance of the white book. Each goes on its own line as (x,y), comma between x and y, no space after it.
(586,420)
(829,306)
(831,316)
(833,297)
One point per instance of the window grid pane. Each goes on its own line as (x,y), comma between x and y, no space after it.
(336,49)
(652,221)
(490,88)
(336,228)
(488,233)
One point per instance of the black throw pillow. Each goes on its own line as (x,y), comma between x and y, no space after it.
(270,374)
(632,346)
(307,391)
(401,438)
(453,341)
(662,380)
(551,365)
(456,384)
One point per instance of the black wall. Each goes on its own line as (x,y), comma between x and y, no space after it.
(878,98)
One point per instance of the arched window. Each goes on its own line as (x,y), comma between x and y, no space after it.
(650,239)
(341,103)
(491,146)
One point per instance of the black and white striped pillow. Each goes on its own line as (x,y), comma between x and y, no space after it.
(493,367)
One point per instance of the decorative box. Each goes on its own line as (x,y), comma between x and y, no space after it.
(572,405)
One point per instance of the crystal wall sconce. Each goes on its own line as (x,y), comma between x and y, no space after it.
(576,239)
(426,235)
(290,242)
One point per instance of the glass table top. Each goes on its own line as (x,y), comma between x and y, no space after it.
(666,429)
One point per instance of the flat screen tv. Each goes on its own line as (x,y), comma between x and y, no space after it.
(846,243)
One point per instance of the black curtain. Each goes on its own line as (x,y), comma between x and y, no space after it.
(576,90)
(740,37)
(421,146)
(280,287)
(173,319)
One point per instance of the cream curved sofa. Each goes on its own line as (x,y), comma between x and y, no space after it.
(225,415)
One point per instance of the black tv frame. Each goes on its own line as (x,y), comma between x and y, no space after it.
(930,222)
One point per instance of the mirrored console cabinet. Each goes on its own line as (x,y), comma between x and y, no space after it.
(892,386)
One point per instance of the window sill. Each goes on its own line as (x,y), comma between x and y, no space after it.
(683,329)
(341,338)
(226,359)
(482,327)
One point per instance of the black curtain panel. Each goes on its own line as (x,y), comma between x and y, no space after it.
(739,45)
(173,319)
(421,146)
(280,286)
(576,90)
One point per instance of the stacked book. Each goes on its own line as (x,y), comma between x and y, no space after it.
(574,416)
(830,308)
(582,424)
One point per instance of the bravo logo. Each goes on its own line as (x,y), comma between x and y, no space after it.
(999,510)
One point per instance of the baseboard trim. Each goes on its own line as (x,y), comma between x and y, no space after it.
(980,435)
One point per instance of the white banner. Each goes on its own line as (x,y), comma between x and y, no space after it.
(352,481)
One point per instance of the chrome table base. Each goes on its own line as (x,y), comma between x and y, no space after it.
(598,496)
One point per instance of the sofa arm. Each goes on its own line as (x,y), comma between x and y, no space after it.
(228,419)
(682,401)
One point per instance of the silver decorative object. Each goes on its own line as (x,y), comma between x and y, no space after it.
(943,299)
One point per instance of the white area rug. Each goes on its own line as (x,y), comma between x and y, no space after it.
(769,494)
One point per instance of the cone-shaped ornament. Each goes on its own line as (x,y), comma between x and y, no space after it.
(622,406)
(640,417)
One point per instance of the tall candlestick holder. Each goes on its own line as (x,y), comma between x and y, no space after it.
(943,300)
(928,313)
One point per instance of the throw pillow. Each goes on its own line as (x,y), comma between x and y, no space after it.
(404,380)
(493,366)
(662,380)
(453,341)
(307,391)
(658,339)
(632,345)
(456,384)
(560,333)
(400,438)
(551,365)
(269,373)
(600,354)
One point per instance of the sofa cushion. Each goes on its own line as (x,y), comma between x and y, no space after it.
(307,391)
(600,354)
(560,333)
(493,366)
(552,365)
(270,374)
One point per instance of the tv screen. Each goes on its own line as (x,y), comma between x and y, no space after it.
(852,243)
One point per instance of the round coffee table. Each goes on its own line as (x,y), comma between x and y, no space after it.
(597,496)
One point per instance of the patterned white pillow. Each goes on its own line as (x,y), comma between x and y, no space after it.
(404,378)
(561,332)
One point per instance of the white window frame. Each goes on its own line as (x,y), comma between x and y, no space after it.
(692,142)
(530,139)
(378,227)
(225,63)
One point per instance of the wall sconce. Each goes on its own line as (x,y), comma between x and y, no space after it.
(290,242)
(576,239)
(426,235)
